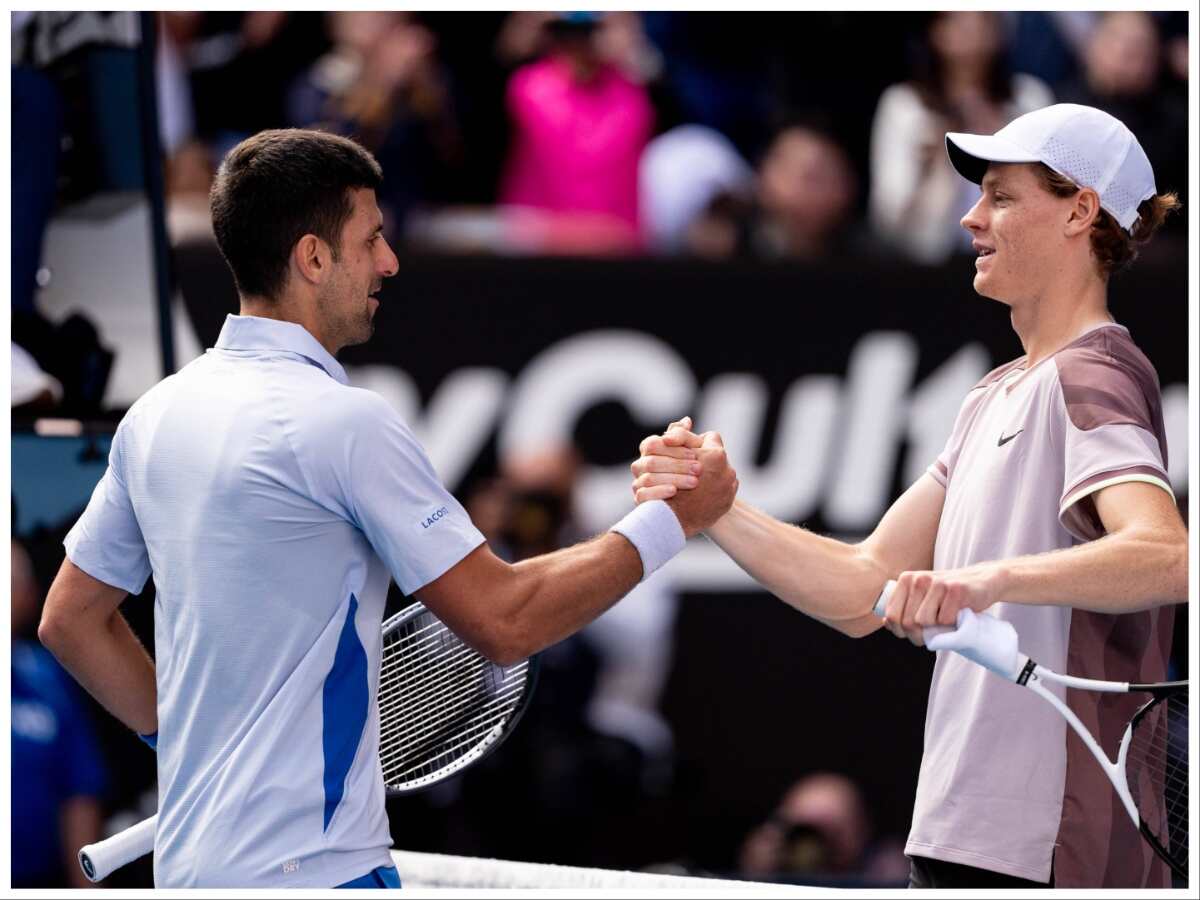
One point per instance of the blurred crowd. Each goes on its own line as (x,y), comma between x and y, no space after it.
(781,136)
(803,136)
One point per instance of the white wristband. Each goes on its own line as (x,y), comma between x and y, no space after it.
(655,533)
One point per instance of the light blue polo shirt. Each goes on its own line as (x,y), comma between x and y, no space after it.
(271,501)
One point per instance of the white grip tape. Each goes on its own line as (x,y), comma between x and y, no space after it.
(983,639)
(655,533)
(101,859)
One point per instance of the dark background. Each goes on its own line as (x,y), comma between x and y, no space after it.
(758,694)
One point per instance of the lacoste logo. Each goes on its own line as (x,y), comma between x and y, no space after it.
(432,520)
(1004,440)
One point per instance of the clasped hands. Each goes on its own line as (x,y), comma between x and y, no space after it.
(672,465)
(694,462)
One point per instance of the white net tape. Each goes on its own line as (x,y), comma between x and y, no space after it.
(434,871)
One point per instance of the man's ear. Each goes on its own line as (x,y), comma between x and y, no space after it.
(312,259)
(1085,208)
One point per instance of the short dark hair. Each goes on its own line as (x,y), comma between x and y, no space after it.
(1114,247)
(277,186)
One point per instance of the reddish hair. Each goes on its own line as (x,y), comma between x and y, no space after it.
(1114,247)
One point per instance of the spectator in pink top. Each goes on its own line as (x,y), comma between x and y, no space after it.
(579,128)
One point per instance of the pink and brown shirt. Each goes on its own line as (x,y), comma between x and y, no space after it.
(1005,785)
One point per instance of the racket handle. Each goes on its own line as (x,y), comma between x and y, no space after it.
(882,600)
(881,607)
(983,639)
(101,859)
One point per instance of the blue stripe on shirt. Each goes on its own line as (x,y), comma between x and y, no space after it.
(345,697)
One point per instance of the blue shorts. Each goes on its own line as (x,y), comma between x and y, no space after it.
(383,877)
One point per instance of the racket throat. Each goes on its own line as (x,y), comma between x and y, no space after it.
(1026,672)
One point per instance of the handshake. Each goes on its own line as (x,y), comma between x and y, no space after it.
(689,471)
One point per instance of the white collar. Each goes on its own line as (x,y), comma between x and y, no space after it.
(257,333)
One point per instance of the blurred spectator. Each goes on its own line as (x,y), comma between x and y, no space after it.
(239,67)
(526,511)
(1175,29)
(382,84)
(821,831)
(960,82)
(176,118)
(802,208)
(613,672)
(61,362)
(188,165)
(1048,44)
(37,120)
(1123,74)
(58,775)
(679,175)
(720,71)
(32,389)
(37,128)
(579,128)
(633,639)
(619,39)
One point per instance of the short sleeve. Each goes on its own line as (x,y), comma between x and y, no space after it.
(1113,434)
(107,542)
(366,461)
(943,467)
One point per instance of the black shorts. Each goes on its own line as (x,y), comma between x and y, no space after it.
(936,873)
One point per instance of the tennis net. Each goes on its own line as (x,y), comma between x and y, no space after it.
(439,871)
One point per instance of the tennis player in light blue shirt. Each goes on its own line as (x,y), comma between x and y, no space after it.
(272,549)
(271,502)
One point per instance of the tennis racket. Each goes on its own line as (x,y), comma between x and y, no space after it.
(1150,773)
(442,707)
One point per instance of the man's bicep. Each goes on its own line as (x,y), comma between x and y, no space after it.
(75,595)
(468,594)
(1137,504)
(904,538)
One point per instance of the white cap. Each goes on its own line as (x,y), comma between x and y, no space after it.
(679,174)
(28,379)
(1082,143)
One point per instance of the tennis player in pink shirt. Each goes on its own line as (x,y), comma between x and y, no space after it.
(1049,507)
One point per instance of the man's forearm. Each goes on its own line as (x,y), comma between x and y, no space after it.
(563,591)
(1116,574)
(110,663)
(825,578)
(508,612)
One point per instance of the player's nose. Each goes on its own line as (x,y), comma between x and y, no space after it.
(387,264)
(974,220)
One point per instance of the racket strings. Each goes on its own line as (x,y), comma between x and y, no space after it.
(439,684)
(439,700)
(401,729)
(407,693)
(465,742)
(1156,769)
(404,655)
(405,661)
(441,744)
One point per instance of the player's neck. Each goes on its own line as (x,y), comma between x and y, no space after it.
(1047,323)
(286,309)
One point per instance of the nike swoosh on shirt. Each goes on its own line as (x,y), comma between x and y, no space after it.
(1004,440)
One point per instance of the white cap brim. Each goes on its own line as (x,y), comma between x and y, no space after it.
(970,154)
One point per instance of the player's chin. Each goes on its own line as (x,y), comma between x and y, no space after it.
(985,286)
